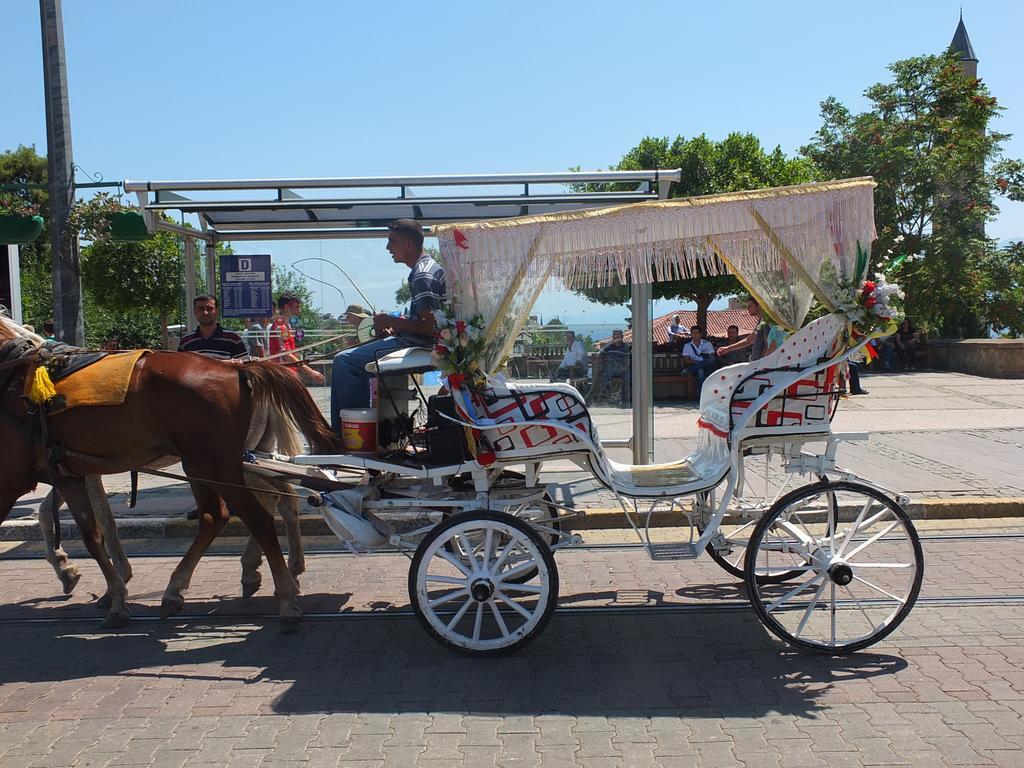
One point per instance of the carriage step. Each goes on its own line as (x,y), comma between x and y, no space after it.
(672,551)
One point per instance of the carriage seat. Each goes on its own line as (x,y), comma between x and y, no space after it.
(403,361)
(803,407)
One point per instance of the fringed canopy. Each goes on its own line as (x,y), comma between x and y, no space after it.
(786,245)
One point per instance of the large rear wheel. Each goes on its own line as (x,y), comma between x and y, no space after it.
(858,560)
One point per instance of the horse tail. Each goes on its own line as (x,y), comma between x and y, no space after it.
(276,388)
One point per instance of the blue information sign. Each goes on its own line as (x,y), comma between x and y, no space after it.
(245,286)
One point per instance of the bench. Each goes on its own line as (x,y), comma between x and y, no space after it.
(669,381)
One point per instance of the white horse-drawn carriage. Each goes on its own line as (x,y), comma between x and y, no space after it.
(832,566)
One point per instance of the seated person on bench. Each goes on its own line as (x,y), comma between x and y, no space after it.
(350,387)
(574,361)
(699,357)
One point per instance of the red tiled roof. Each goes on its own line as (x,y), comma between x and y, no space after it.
(719,321)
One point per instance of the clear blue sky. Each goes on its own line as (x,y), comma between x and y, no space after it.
(200,89)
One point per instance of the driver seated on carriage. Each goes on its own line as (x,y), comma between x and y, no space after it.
(349,380)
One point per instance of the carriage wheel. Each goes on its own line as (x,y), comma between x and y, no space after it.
(542,515)
(731,548)
(859,560)
(476,602)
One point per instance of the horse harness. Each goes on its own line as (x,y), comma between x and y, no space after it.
(60,360)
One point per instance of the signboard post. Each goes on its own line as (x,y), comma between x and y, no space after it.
(245,286)
(10,281)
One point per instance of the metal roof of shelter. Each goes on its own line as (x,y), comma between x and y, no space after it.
(354,207)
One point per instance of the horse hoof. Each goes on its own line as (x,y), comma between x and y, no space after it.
(250,588)
(116,619)
(104,602)
(170,606)
(70,581)
(289,624)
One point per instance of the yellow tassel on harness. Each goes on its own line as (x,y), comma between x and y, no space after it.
(40,388)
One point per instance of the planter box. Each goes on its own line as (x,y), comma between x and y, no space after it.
(128,227)
(15,230)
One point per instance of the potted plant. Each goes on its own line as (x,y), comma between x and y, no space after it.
(105,217)
(20,221)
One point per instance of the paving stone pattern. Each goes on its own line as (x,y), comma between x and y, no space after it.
(635,688)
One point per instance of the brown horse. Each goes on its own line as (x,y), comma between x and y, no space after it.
(177,404)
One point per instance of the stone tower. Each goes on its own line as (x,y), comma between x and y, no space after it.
(961,44)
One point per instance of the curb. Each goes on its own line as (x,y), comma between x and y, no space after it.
(27,529)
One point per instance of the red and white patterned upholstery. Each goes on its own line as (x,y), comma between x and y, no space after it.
(806,406)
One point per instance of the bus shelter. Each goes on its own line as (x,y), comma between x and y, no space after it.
(361,207)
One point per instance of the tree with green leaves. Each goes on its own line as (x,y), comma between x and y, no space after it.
(927,140)
(24,163)
(124,277)
(735,163)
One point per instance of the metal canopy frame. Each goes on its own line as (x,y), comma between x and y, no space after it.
(362,206)
(358,207)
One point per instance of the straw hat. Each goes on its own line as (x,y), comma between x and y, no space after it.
(357,310)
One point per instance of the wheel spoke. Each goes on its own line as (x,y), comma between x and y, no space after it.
(454,561)
(877,588)
(867,618)
(810,608)
(530,589)
(880,565)
(443,579)
(832,608)
(873,539)
(514,605)
(856,525)
(460,613)
(478,621)
(769,607)
(794,532)
(518,570)
(488,541)
(448,597)
(505,554)
(499,618)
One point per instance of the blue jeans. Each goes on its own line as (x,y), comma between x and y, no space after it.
(350,383)
(700,370)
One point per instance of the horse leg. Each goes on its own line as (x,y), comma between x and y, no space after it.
(67,571)
(243,503)
(213,516)
(251,560)
(105,519)
(288,508)
(74,491)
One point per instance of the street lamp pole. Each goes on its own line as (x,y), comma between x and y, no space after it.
(67,280)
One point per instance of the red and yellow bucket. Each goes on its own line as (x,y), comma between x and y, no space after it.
(359,431)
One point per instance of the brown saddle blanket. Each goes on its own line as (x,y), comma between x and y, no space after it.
(95,380)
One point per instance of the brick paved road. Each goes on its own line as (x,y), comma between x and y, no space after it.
(705,688)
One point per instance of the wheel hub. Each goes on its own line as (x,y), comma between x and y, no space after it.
(481,590)
(841,574)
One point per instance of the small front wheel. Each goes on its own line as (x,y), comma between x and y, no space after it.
(858,561)
(467,587)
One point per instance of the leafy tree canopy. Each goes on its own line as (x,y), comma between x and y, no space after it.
(737,162)
(926,139)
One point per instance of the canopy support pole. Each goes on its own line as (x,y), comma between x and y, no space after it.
(773,236)
(643,375)
(190,277)
(211,270)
